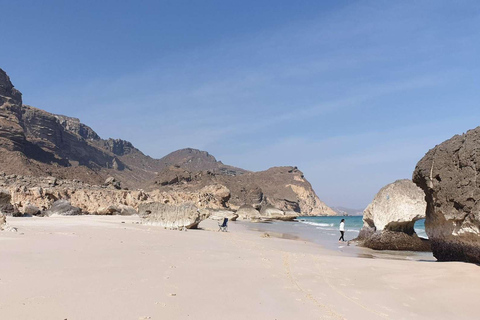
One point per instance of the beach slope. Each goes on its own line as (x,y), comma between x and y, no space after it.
(111,267)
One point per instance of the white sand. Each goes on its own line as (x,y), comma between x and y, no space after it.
(93,267)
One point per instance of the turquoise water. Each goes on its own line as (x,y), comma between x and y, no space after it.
(324,231)
(352,225)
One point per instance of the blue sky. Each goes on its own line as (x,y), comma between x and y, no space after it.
(352,92)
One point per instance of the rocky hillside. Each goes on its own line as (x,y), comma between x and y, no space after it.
(284,188)
(36,143)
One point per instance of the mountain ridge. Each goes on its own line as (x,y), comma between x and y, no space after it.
(36,143)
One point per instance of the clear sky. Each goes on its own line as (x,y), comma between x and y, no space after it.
(352,92)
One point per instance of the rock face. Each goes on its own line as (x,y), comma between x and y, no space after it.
(6,206)
(64,208)
(36,144)
(388,222)
(391,240)
(283,188)
(271,213)
(7,91)
(30,195)
(181,216)
(247,212)
(449,174)
(220,214)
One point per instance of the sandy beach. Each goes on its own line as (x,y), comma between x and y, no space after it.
(97,267)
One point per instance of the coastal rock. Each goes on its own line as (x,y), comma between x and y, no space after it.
(247,212)
(182,216)
(212,196)
(220,214)
(95,199)
(388,222)
(392,240)
(30,210)
(284,188)
(63,208)
(448,174)
(272,213)
(119,209)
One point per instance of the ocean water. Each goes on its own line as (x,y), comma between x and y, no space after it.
(353,225)
(324,231)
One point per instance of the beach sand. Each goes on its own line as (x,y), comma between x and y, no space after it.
(110,267)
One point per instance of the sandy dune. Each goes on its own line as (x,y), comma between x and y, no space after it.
(93,267)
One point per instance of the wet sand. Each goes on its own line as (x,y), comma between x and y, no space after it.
(94,267)
(329,240)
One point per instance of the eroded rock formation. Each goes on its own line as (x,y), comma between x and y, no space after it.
(64,208)
(25,195)
(389,220)
(181,216)
(247,212)
(449,174)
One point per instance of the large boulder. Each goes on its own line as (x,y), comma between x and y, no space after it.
(6,206)
(30,210)
(179,216)
(247,212)
(392,240)
(63,208)
(221,214)
(112,183)
(388,222)
(448,174)
(271,213)
(120,209)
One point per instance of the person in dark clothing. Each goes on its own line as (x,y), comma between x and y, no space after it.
(342,230)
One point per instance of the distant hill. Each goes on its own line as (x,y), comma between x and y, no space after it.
(342,211)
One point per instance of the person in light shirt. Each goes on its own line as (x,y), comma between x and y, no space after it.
(342,230)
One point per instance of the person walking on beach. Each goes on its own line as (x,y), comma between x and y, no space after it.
(342,230)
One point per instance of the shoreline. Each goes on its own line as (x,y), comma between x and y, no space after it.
(285,230)
(110,267)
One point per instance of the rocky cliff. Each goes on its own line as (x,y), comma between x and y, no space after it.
(448,174)
(35,143)
(284,188)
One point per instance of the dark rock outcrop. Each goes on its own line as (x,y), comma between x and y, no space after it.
(448,174)
(391,240)
(6,206)
(7,91)
(63,208)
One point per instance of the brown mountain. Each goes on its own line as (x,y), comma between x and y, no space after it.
(37,143)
